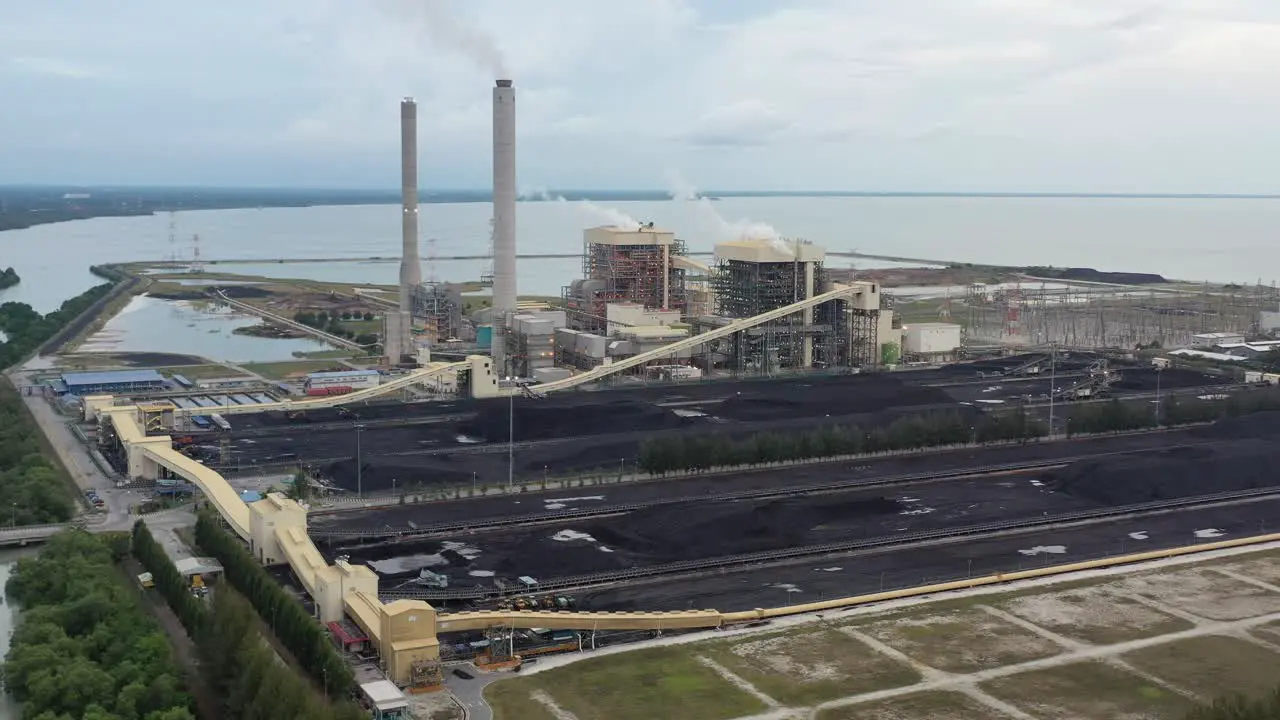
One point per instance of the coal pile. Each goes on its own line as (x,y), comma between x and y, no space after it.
(360,411)
(1262,426)
(1179,472)
(544,419)
(408,472)
(1146,379)
(698,530)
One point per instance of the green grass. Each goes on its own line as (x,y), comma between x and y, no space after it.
(1088,690)
(199,372)
(917,706)
(666,683)
(283,370)
(810,667)
(1210,665)
(510,700)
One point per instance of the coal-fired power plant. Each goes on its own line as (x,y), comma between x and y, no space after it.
(399,325)
(504,219)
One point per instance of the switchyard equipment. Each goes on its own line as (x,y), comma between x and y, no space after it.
(625,265)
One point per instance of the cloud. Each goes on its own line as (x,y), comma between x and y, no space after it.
(55,67)
(1125,95)
(742,123)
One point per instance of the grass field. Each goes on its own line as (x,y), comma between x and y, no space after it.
(664,683)
(292,368)
(1141,646)
(959,641)
(1088,690)
(798,669)
(932,705)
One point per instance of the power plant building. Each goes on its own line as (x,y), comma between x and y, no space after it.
(625,265)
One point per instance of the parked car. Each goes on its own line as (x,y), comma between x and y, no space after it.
(459,672)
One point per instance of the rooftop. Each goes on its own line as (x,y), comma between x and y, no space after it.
(384,695)
(766,250)
(343,373)
(112,377)
(198,566)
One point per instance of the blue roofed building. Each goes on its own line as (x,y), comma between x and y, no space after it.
(113,382)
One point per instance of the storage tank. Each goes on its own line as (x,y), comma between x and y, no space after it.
(484,335)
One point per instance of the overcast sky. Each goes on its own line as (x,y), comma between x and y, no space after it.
(956,95)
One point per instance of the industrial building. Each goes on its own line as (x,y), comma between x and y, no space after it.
(122,382)
(625,265)
(755,276)
(343,381)
(930,341)
(438,306)
(530,344)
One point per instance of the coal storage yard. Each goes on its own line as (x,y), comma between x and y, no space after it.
(699,529)
(1235,454)
(419,445)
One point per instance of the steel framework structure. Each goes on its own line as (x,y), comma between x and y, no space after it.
(641,274)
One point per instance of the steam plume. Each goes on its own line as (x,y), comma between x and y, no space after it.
(447,29)
(601,213)
(682,190)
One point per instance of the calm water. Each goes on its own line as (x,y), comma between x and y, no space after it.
(9,710)
(151,325)
(1220,240)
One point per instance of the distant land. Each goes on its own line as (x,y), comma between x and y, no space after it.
(23,206)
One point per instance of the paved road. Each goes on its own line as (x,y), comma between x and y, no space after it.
(86,474)
(471,692)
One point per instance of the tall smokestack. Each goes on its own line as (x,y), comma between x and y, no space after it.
(410,266)
(504,218)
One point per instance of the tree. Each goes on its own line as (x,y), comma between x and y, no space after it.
(301,488)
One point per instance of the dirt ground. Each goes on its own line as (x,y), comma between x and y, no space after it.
(809,668)
(963,640)
(1146,645)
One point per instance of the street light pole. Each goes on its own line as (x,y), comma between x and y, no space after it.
(1159,373)
(1053,375)
(359,464)
(511,440)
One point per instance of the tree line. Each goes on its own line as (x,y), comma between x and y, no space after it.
(9,278)
(238,666)
(332,324)
(28,329)
(286,617)
(700,453)
(86,649)
(33,490)
(1117,416)
(678,453)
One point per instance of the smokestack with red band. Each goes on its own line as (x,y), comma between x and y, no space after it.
(504,218)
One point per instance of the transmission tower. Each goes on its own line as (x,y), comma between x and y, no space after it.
(197,266)
(173,237)
(431,261)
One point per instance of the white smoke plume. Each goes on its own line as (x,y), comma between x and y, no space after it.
(599,213)
(446,28)
(682,190)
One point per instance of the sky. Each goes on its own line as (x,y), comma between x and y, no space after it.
(874,95)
